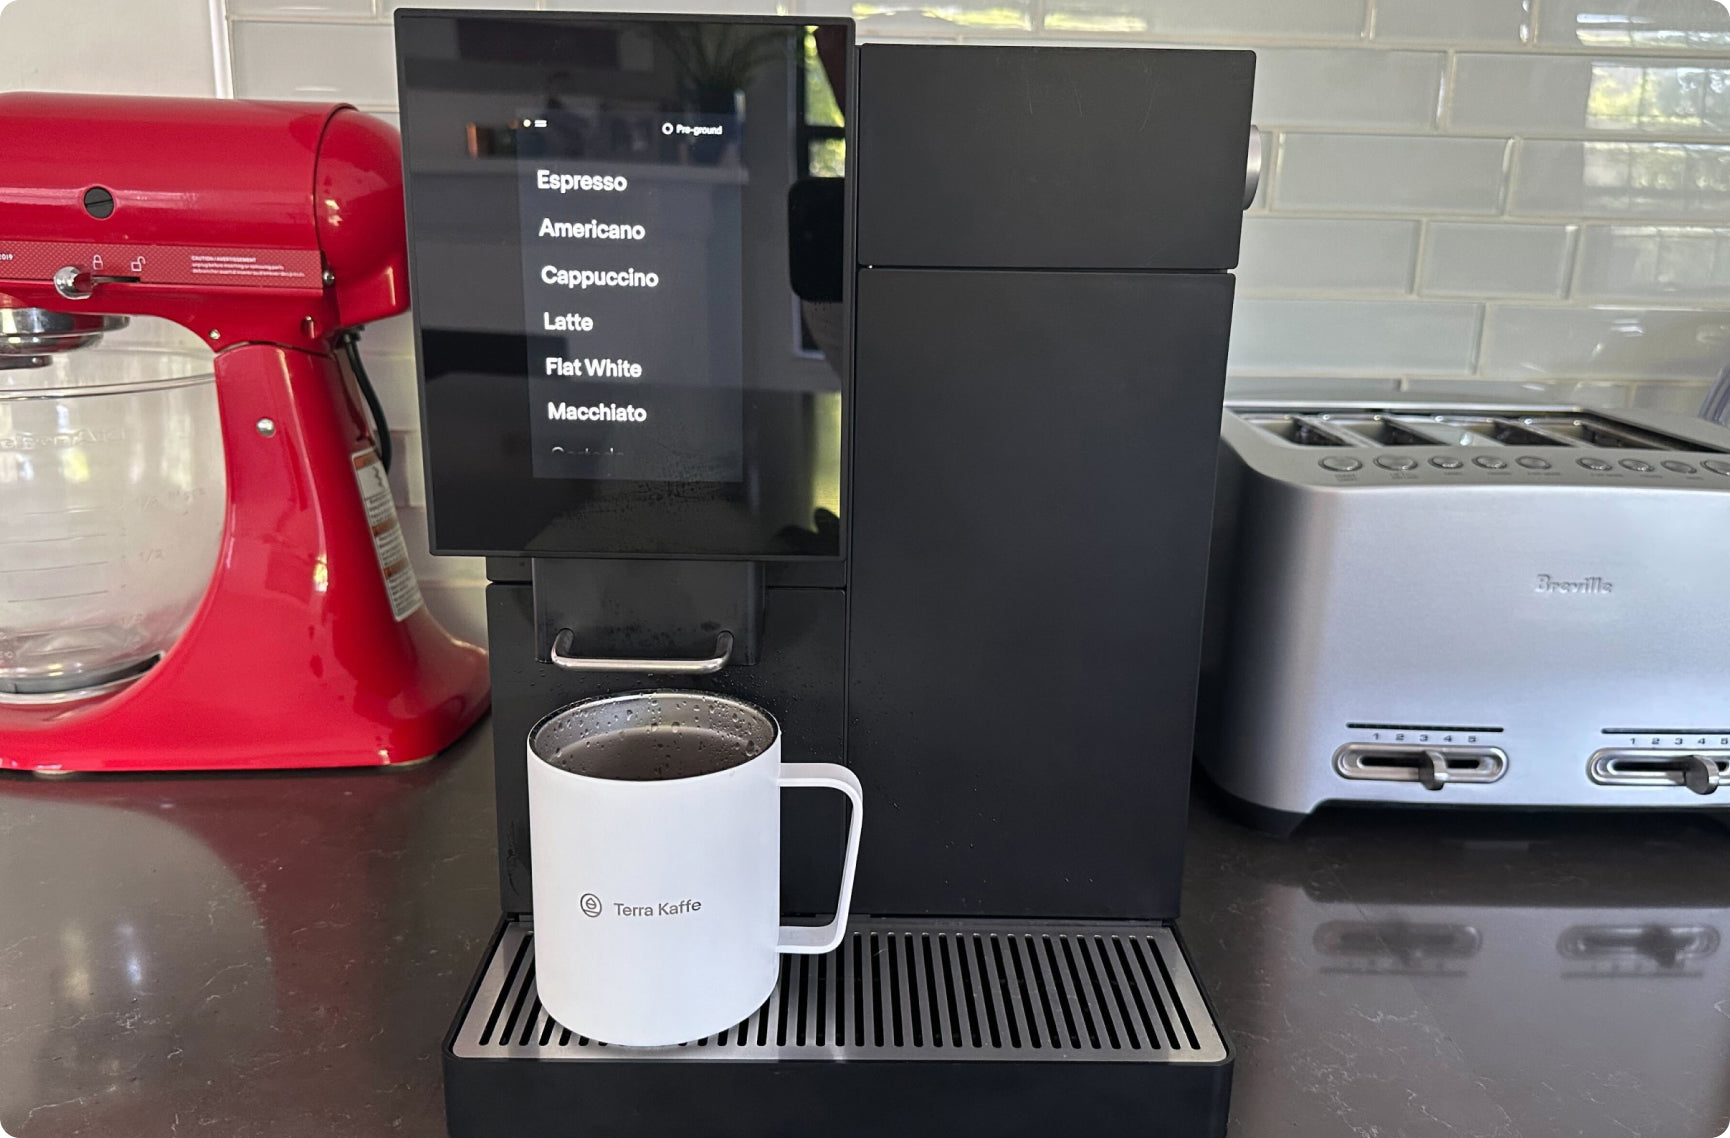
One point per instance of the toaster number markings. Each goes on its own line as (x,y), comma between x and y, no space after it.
(1717,737)
(1436,727)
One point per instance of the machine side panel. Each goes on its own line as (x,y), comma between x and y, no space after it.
(1034,468)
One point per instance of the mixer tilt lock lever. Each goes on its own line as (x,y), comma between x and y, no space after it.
(75,283)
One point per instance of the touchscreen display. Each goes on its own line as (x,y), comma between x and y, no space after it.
(624,348)
(631,231)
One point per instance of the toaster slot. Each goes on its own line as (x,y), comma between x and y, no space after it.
(1703,772)
(1383,430)
(1304,430)
(1512,433)
(1434,767)
(1583,431)
(1488,430)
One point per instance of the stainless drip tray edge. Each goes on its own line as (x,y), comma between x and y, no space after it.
(978,991)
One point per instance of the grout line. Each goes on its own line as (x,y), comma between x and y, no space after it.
(1363,213)
(1445,94)
(1421,258)
(1571,276)
(329,19)
(221,51)
(1715,140)
(1505,198)
(1549,301)
(1479,326)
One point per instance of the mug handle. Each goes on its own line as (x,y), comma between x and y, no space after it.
(804,939)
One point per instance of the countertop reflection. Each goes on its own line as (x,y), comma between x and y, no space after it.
(1428,973)
(280,955)
(239,955)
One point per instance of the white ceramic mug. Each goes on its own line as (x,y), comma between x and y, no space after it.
(658,899)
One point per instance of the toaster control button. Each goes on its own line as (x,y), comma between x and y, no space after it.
(1491,462)
(1717,466)
(1676,466)
(1591,463)
(1533,462)
(1396,462)
(1340,464)
(1638,465)
(1446,462)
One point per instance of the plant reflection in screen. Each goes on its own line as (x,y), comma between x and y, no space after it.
(716,61)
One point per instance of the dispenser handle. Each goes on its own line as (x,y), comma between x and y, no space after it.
(562,645)
(804,939)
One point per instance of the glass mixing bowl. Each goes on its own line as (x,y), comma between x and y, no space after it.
(112,496)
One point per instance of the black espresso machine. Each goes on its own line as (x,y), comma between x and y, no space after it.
(879,386)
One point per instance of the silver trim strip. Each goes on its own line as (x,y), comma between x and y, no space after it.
(714,663)
(1350,761)
(1688,769)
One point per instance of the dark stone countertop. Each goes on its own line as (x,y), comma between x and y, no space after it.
(281,955)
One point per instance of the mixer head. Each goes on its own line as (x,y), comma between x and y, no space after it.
(30,337)
(242,222)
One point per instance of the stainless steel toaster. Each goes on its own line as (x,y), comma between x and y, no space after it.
(1469,604)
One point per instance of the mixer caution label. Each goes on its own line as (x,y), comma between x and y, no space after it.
(387,540)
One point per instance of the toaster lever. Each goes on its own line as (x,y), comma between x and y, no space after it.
(1433,770)
(1701,774)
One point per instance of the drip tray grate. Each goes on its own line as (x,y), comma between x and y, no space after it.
(910,990)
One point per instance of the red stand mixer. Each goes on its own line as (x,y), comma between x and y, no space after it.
(269,230)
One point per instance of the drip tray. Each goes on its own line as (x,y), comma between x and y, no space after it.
(910,991)
(910,1028)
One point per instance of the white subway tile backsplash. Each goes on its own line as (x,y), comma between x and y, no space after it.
(296,9)
(1454,21)
(1296,254)
(407,475)
(1322,337)
(116,47)
(1560,94)
(1334,87)
(387,7)
(1363,203)
(1519,93)
(1528,341)
(461,607)
(1651,262)
(1639,25)
(1389,173)
(353,63)
(1260,19)
(1621,179)
(1678,397)
(1496,259)
(400,491)
(393,378)
(391,337)
(716,7)
(1095,17)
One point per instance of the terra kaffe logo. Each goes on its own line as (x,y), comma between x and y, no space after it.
(591,905)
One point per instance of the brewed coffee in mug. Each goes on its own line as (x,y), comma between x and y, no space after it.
(655,831)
